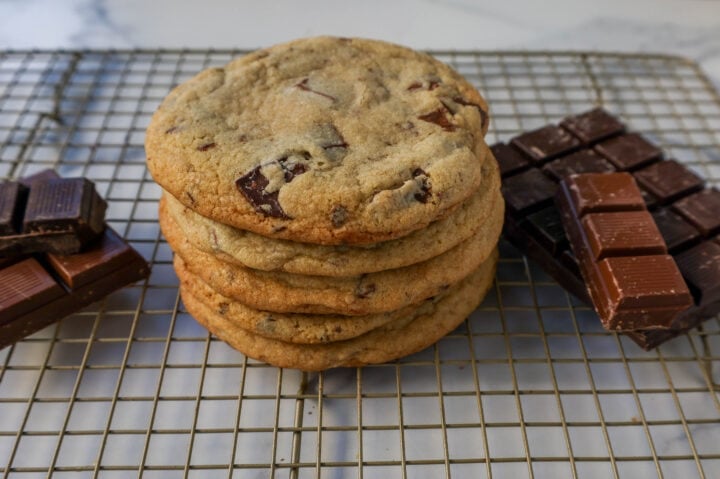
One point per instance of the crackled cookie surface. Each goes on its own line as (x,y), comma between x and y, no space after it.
(322,140)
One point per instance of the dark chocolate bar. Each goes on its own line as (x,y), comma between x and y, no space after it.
(633,282)
(49,214)
(685,213)
(38,291)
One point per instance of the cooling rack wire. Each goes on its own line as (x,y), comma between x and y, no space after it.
(529,386)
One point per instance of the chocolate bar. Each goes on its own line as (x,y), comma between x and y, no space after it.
(633,282)
(46,213)
(684,212)
(37,291)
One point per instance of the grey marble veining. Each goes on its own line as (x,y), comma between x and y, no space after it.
(689,28)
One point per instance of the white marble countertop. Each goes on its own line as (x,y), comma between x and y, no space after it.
(684,27)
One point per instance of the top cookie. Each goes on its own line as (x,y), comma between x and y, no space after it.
(322,140)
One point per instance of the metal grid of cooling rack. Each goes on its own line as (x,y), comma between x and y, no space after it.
(529,386)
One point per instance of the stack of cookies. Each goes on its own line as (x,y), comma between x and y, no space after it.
(330,202)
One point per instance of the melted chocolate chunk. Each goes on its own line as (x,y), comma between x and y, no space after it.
(338,216)
(677,232)
(432,84)
(364,291)
(291,171)
(425,188)
(303,85)
(701,267)
(335,145)
(206,147)
(252,186)
(440,118)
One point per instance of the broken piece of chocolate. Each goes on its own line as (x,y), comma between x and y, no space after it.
(633,282)
(49,214)
(38,291)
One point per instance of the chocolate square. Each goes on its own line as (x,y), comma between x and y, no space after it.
(509,159)
(623,233)
(583,161)
(629,152)
(676,232)
(546,143)
(700,266)
(528,191)
(702,210)
(668,180)
(12,200)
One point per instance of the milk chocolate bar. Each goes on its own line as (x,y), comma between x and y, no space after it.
(684,210)
(39,290)
(49,214)
(633,282)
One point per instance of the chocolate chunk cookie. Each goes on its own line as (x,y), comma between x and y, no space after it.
(293,327)
(322,140)
(245,248)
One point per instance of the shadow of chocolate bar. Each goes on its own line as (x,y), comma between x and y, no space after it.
(38,291)
(684,211)
(45,213)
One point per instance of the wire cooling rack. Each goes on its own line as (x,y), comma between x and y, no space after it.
(529,386)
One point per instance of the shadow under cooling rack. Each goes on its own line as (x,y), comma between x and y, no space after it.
(529,386)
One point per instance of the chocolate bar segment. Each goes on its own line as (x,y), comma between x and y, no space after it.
(34,294)
(593,126)
(512,160)
(679,222)
(702,210)
(676,232)
(701,267)
(546,226)
(668,180)
(24,285)
(604,193)
(58,215)
(583,161)
(633,283)
(546,143)
(629,152)
(528,191)
(622,233)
